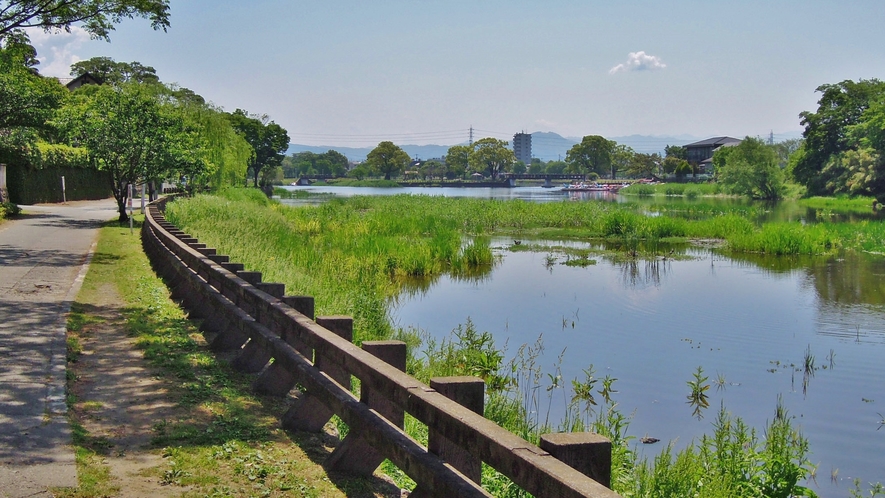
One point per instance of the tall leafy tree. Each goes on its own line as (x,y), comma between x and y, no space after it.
(27,100)
(221,154)
(622,155)
(750,168)
(109,71)
(677,151)
(592,155)
(388,159)
(491,156)
(97,16)
(826,134)
(129,133)
(644,165)
(269,141)
(457,161)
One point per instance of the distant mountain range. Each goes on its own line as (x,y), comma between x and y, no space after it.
(546,146)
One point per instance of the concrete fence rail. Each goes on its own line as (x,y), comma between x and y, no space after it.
(278,338)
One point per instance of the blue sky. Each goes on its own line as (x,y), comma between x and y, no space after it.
(354,73)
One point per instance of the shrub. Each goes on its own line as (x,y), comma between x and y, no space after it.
(8,209)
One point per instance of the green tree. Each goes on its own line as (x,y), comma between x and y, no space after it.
(644,165)
(751,168)
(491,156)
(109,71)
(27,100)
(675,165)
(129,133)
(457,161)
(359,172)
(826,134)
(785,149)
(97,16)
(269,141)
(221,154)
(555,167)
(592,154)
(387,159)
(519,168)
(622,156)
(337,162)
(536,167)
(432,168)
(677,151)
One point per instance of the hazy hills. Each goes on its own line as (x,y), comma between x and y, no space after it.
(546,146)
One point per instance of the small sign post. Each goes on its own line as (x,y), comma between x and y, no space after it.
(142,198)
(64,196)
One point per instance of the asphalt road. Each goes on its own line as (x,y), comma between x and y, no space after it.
(44,255)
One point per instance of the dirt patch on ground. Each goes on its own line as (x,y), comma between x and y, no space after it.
(119,400)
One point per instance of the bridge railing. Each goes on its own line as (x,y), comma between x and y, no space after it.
(278,338)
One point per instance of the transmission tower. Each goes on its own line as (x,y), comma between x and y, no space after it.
(771,138)
(471,135)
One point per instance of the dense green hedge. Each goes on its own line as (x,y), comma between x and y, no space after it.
(36,177)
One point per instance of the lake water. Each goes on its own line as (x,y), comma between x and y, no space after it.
(650,324)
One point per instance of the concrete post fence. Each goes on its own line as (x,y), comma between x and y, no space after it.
(277,338)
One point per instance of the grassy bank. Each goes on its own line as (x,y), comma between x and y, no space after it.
(356,255)
(220,439)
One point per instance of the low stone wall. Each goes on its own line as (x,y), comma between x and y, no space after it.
(278,338)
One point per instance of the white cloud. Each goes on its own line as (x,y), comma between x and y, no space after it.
(638,61)
(55,49)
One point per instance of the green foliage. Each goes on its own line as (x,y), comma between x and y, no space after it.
(269,142)
(128,133)
(491,156)
(643,165)
(676,151)
(108,71)
(96,16)
(355,255)
(27,100)
(593,154)
(750,168)
(387,159)
(308,163)
(8,210)
(828,132)
(457,161)
(733,462)
(45,155)
(698,396)
(220,155)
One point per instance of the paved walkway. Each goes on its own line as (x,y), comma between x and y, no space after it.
(43,259)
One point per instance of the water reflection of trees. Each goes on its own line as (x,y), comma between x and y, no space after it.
(849,287)
(641,273)
(850,278)
(419,286)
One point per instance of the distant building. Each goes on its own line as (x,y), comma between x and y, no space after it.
(701,153)
(522,147)
(75,83)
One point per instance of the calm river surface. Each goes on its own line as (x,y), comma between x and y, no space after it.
(650,324)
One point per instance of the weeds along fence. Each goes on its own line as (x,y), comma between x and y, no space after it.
(278,338)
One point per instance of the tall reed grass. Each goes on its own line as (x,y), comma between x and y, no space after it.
(356,255)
